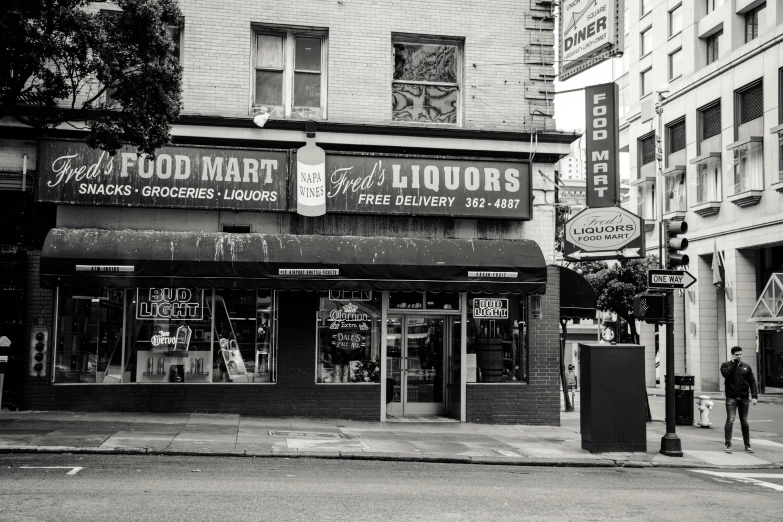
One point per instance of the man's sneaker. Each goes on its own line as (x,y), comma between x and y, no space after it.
(748,449)
(728,447)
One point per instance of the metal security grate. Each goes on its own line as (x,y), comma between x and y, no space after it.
(710,122)
(751,103)
(677,137)
(647,146)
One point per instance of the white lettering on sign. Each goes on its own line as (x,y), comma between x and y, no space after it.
(492,275)
(170,303)
(490,308)
(603,229)
(309,271)
(104,268)
(350,295)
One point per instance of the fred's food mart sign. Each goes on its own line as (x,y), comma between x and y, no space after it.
(211,178)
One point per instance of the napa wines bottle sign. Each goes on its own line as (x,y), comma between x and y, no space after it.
(177,177)
(311,180)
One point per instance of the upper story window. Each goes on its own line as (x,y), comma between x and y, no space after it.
(714,4)
(290,74)
(647,150)
(675,20)
(675,143)
(426,81)
(713,46)
(627,19)
(646,5)
(646,82)
(750,110)
(675,64)
(752,19)
(646,42)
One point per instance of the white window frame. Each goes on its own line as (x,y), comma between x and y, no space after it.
(671,21)
(642,82)
(645,50)
(425,40)
(289,52)
(672,75)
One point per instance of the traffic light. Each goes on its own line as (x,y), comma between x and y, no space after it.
(650,307)
(675,245)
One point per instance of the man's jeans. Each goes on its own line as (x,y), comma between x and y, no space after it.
(731,412)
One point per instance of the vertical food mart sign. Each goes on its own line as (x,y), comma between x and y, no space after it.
(590,32)
(602,146)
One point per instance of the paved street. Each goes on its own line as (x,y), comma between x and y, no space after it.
(164,489)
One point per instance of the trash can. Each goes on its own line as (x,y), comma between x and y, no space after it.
(683,399)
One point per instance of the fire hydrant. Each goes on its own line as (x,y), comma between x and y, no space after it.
(705,405)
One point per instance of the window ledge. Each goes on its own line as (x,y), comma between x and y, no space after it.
(675,77)
(646,179)
(677,215)
(776,130)
(705,158)
(649,225)
(746,199)
(744,141)
(674,169)
(710,208)
(778,185)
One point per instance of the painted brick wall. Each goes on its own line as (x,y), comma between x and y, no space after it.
(538,401)
(502,76)
(295,393)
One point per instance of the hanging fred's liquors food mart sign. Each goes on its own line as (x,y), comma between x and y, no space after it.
(383,184)
(178,177)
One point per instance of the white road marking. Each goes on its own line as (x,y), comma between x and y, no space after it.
(747,478)
(508,453)
(74,469)
(762,442)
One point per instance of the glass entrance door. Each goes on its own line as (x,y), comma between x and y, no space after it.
(415,350)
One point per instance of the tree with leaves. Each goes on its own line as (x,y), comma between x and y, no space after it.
(617,285)
(62,60)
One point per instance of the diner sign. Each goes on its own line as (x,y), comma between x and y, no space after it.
(178,177)
(427,186)
(170,303)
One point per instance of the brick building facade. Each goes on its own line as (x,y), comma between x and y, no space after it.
(495,110)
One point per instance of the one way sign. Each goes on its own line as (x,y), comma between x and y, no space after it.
(669,279)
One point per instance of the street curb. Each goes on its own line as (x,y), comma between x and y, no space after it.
(388,457)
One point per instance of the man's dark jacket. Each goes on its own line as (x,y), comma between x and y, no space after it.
(739,380)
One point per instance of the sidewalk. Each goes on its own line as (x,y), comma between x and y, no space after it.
(453,442)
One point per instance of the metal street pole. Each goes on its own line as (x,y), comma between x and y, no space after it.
(671,445)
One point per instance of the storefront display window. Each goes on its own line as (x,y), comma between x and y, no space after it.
(497,338)
(349,340)
(423,301)
(89,336)
(172,335)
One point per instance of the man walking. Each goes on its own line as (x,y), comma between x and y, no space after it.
(740,385)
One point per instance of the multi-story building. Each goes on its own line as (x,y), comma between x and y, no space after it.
(715,67)
(191,282)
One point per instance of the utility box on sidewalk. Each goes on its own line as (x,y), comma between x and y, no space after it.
(613,397)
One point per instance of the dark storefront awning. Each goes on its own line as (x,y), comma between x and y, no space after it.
(144,258)
(577,297)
